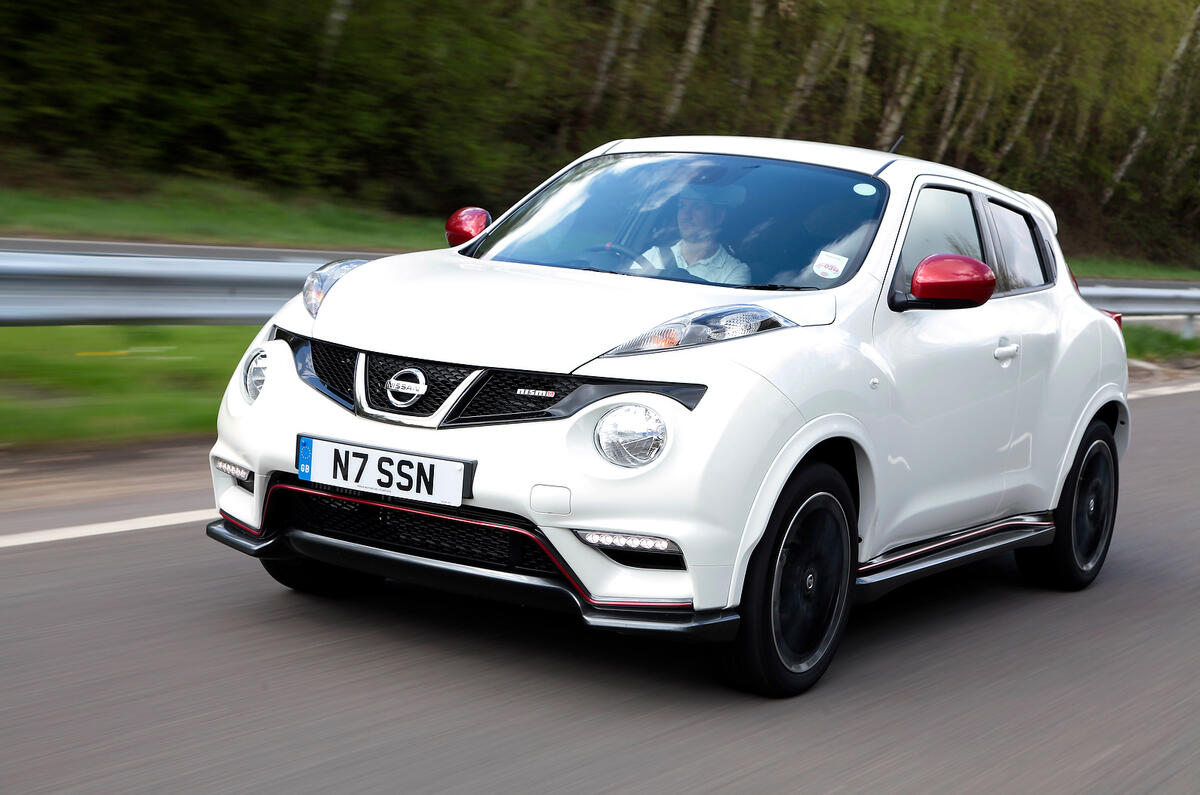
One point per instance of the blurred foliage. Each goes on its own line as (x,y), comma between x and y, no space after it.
(422,106)
(193,210)
(1092,267)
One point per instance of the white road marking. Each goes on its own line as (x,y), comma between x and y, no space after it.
(106,528)
(1160,391)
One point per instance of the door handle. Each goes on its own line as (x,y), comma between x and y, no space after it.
(1006,352)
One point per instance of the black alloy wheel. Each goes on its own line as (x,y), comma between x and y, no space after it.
(1094,506)
(1084,518)
(799,587)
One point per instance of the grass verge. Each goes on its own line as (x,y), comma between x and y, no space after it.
(192,210)
(114,383)
(1112,268)
(1154,344)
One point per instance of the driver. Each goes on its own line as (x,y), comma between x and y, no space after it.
(702,211)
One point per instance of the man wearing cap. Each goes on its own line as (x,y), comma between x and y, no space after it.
(702,211)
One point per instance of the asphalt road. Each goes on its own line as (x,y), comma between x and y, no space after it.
(159,661)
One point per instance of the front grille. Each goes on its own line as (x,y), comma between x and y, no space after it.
(440,379)
(499,394)
(417,531)
(496,396)
(334,365)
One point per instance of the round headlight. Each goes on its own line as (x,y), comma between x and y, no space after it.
(631,436)
(254,375)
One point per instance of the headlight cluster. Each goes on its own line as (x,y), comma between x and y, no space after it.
(320,281)
(699,328)
(631,436)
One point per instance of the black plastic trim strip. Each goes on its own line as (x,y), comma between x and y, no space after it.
(687,395)
(896,567)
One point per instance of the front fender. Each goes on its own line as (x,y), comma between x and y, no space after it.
(793,452)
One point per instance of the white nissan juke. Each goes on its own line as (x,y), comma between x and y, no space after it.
(706,386)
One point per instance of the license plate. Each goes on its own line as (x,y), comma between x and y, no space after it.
(390,472)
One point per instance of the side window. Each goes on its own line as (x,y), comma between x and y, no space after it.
(1022,261)
(943,222)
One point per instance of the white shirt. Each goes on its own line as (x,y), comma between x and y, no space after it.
(721,268)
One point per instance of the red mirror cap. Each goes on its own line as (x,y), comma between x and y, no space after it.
(465,224)
(964,281)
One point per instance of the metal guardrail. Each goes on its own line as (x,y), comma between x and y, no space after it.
(63,289)
(1148,301)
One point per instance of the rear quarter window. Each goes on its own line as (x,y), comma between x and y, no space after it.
(1021,265)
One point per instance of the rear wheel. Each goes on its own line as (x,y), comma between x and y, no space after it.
(315,577)
(796,599)
(1084,518)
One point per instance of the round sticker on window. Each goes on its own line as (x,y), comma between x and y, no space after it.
(828,265)
(864,189)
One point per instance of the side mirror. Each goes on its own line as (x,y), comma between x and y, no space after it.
(465,224)
(947,281)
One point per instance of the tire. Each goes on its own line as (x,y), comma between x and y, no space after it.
(799,587)
(1084,518)
(315,577)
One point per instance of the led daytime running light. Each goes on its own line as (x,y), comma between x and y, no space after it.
(233,470)
(606,540)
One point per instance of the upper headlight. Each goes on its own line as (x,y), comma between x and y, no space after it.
(319,282)
(708,325)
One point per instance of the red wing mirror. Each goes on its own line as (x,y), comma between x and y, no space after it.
(950,281)
(466,224)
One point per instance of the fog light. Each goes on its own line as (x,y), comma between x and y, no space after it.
(255,375)
(627,541)
(631,435)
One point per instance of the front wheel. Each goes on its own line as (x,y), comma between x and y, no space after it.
(796,600)
(1084,518)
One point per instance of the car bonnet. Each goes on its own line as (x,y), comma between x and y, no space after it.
(443,306)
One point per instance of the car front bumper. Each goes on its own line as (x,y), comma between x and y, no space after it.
(698,493)
(521,589)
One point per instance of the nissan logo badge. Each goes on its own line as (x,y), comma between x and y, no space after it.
(405,387)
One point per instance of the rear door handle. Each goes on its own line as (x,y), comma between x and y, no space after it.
(1006,352)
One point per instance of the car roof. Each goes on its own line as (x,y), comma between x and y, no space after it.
(849,158)
(865,161)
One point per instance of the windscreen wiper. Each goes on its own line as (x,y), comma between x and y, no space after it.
(771,287)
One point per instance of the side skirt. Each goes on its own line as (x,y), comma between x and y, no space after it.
(899,566)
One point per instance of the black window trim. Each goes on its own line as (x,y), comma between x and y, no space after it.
(982,228)
(987,199)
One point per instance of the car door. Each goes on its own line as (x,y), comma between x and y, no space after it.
(953,380)
(1024,274)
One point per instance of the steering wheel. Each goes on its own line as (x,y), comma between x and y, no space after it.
(626,253)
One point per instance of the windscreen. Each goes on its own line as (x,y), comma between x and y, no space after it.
(717,219)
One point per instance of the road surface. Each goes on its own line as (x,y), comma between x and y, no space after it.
(156,660)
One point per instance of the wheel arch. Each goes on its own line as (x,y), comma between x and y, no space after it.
(1108,405)
(837,440)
